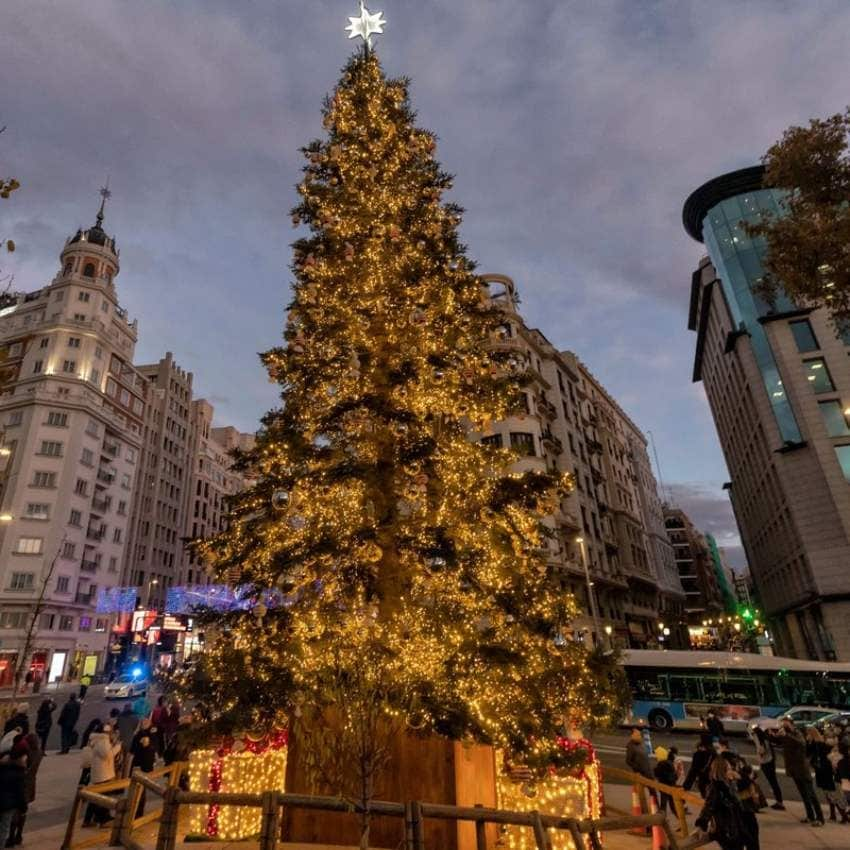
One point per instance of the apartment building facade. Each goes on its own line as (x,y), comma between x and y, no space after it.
(71,410)
(777,378)
(607,547)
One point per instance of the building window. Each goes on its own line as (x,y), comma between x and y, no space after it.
(76,518)
(92,428)
(44,479)
(122,508)
(94,377)
(843,455)
(13,619)
(47,622)
(818,375)
(88,271)
(22,581)
(62,583)
(51,448)
(15,418)
(804,336)
(523,443)
(98,352)
(494,440)
(57,419)
(834,418)
(125,481)
(38,510)
(100,624)
(116,535)
(69,550)
(37,367)
(69,366)
(79,317)
(73,342)
(81,487)
(85,624)
(113,565)
(66,624)
(87,457)
(29,545)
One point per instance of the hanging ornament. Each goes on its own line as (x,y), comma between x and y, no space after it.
(280,500)
(296,522)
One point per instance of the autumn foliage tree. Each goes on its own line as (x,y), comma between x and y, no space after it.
(808,242)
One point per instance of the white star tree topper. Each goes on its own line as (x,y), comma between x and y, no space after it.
(365,25)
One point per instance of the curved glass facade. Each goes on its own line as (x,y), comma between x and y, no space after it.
(738,261)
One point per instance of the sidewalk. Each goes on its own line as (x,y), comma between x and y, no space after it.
(777,829)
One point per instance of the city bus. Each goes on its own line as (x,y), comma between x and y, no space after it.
(676,689)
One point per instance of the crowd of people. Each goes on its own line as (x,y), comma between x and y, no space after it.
(730,787)
(137,736)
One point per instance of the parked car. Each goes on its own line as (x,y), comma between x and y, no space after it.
(837,723)
(802,715)
(126,686)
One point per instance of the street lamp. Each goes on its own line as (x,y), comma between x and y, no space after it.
(592,599)
(151,583)
(6,518)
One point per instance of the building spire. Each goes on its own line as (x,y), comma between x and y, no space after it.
(105,195)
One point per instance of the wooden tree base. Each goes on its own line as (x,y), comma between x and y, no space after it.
(429,769)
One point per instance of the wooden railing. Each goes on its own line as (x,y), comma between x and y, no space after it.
(678,794)
(122,809)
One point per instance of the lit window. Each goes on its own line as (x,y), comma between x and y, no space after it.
(493,440)
(38,510)
(834,418)
(818,375)
(523,443)
(29,545)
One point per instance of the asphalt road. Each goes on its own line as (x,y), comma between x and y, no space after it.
(612,746)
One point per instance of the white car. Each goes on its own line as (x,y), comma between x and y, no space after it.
(802,715)
(126,687)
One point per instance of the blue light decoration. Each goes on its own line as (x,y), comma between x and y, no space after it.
(116,600)
(188,599)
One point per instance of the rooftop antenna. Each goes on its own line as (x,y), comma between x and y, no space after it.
(105,195)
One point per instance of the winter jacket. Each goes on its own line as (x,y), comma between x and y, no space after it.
(103,753)
(818,753)
(12,774)
(714,727)
(637,760)
(665,771)
(699,770)
(794,751)
(69,715)
(19,720)
(127,724)
(44,717)
(144,757)
(33,763)
(722,816)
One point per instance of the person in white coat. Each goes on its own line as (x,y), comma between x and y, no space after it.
(100,753)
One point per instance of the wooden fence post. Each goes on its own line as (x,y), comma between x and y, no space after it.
(270,821)
(541,837)
(408,826)
(480,832)
(117,822)
(680,814)
(68,840)
(418,825)
(575,834)
(167,837)
(134,796)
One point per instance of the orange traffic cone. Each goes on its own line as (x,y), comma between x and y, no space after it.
(636,810)
(659,838)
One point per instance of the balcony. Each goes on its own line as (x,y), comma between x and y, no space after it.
(110,449)
(100,506)
(546,408)
(106,476)
(84,598)
(89,566)
(95,533)
(552,442)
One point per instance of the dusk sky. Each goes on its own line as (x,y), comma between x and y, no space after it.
(576,131)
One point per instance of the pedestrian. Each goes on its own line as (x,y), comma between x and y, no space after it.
(142,705)
(722,816)
(714,726)
(127,724)
(766,756)
(700,762)
(84,686)
(636,758)
(144,757)
(19,720)
(102,753)
(169,732)
(725,751)
(67,723)
(158,718)
(679,764)
(797,768)
(750,796)
(95,725)
(34,755)
(44,722)
(665,773)
(818,752)
(13,765)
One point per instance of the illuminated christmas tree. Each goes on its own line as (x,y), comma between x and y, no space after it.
(410,560)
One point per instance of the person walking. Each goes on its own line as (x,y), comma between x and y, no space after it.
(84,686)
(158,719)
(169,732)
(44,722)
(766,756)
(637,759)
(797,768)
(665,773)
(701,760)
(102,753)
(714,726)
(67,723)
(128,723)
(750,796)
(144,757)
(818,752)
(34,755)
(722,815)
(13,765)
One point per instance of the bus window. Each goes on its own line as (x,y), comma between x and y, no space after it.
(743,691)
(685,688)
(647,684)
